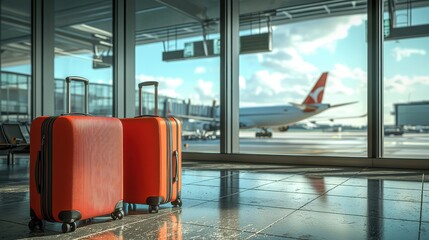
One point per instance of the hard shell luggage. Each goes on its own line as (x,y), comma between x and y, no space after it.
(152,158)
(76,167)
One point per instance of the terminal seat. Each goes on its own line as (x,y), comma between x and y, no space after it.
(17,138)
(5,146)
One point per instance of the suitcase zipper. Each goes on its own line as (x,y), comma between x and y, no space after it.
(169,160)
(176,153)
(46,166)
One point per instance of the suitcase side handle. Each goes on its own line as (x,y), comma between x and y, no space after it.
(148,83)
(68,96)
(176,174)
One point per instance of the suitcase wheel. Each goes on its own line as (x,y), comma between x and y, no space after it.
(118,214)
(69,227)
(153,208)
(132,206)
(35,223)
(177,202)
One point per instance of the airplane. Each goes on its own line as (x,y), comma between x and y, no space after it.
(280,116)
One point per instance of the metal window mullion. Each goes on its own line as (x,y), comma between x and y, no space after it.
(118,57)
(42,58)
(129,58)
(229,88)
(375,79)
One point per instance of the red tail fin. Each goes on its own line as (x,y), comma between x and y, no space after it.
(316,94)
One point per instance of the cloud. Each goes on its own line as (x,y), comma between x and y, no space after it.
(300,39)
(272,88)
(403,84)
(204,92)
(167,86)
(400,53)
(356,79)
(242,82)
(199,70)
(286,60)
(307,39)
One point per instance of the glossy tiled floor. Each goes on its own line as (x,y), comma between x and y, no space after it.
(241,201)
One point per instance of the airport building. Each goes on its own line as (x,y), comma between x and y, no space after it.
(300,119)
(412,114)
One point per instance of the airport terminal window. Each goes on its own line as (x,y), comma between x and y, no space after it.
(83,47)
(406,84)
(303,78)
(15,60)
(181,51)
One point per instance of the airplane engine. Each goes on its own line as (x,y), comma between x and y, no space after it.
(283,128)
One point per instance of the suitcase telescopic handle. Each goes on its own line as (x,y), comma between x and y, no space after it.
(148,83)
(68,94)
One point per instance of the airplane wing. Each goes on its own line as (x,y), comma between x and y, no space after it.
(342,104)
(314,121)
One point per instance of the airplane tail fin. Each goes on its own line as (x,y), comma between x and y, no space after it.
(316,94)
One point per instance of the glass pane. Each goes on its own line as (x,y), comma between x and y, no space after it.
(180,50)
(83,47)
(15,62)
(406,87)
(303,78)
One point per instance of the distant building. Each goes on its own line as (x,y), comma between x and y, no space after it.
(412,114)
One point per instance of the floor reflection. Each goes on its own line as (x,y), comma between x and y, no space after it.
(238,201)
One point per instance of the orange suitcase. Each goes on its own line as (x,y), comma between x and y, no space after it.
(76,167)
(152,158)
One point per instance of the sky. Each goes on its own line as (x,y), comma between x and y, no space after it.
(301,52)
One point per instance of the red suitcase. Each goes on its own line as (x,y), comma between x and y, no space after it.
(152,158)
(76,167)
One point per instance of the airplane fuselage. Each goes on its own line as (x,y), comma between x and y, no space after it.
(272,116)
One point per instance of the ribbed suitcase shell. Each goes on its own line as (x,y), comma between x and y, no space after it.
(86,168)
(151,169)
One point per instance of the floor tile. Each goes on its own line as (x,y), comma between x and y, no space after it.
(269,237)
(366,207)
(339,205)
(14,212)
(410,185)
(355,181)
(265,175)
(316,225)
(14,192)
(273,199)
(230,215)
(425,212)
(169,229)
(312,178)
(398,229)
(314,186)
(234,182)
(401,210)
(206,192)
(188,179)
(424,230)
(379,192)
(255,201)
